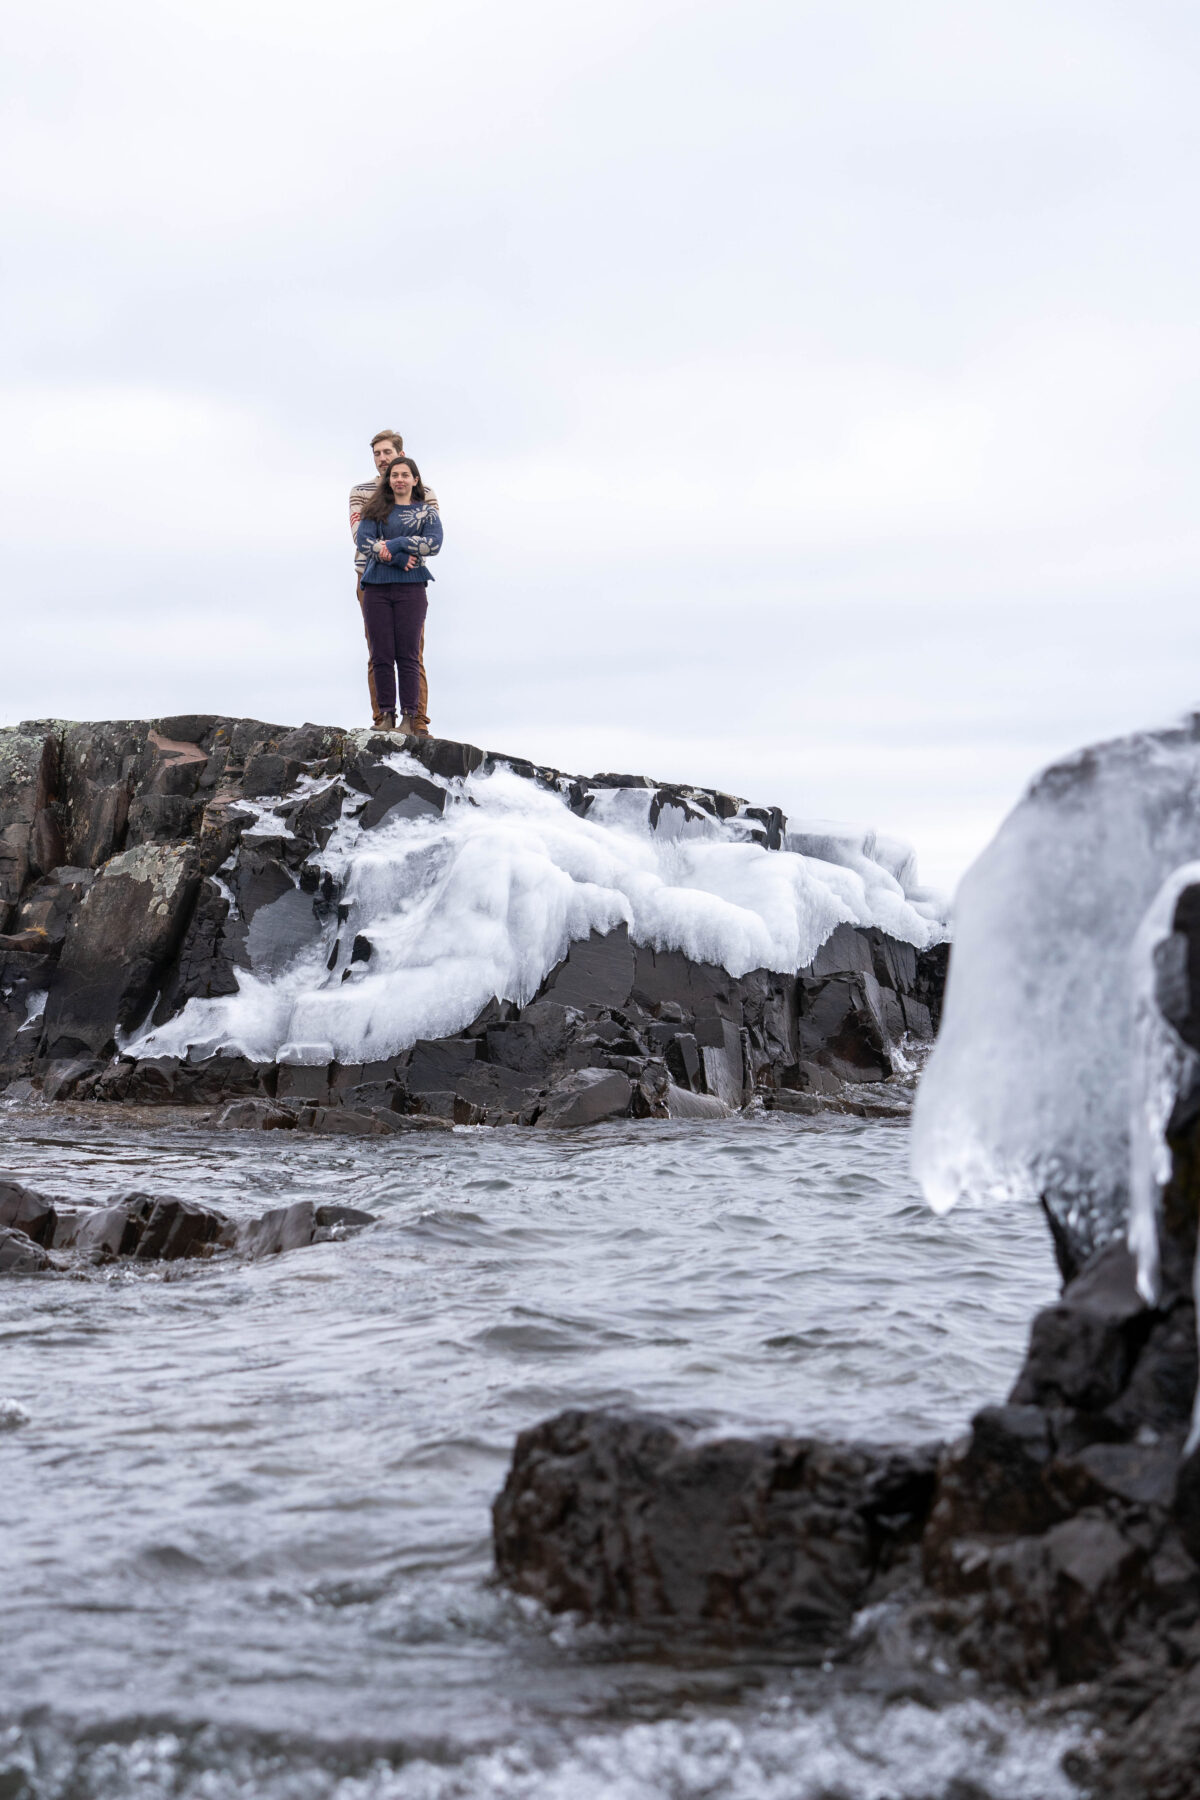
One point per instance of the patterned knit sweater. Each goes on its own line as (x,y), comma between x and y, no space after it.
(359,495)
(410,532)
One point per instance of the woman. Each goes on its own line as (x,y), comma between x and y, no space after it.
(398,530)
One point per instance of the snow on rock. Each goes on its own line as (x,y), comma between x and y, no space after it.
(1047,1042)
(483,898)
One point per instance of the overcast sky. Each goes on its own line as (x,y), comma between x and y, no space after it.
(810,388)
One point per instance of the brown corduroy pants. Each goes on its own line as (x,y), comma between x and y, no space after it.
(423,701)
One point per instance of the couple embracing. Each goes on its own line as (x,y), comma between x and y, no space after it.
(396,528)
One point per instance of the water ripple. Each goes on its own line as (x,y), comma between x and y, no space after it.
(257,1496)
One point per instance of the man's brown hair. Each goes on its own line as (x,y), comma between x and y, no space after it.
(394,436)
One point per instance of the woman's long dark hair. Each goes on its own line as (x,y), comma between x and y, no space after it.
(382,500)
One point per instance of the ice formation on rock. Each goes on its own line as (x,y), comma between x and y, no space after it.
(1045,1046)
(444,906)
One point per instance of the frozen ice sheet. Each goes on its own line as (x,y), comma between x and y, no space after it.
(1030,1088)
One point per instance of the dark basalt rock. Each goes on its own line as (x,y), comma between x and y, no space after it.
(65,1077)
(597,971)
(630,1518)
(31,942)
(19,1255)
(123,932)
(144,1229)
(929,987)
(533,1044)
(1151,1749)
(177,1228)
(434,1063)
(500,1093)
(23,1210)
(107,1233)
(1082,1351)
(207,956)
(585,1098)
(343,1121)
(46,906)
(256,1115)
(283,1228)
(98,772)
(342,1218)
(29,759)
(1052,1607)
(303,1083)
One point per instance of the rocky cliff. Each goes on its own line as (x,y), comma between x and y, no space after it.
(200,910)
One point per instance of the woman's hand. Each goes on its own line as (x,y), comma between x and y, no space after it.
(382,551)
(410,564)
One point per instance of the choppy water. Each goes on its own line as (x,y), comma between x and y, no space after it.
(245,1542)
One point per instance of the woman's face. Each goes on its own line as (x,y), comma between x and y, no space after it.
(401,479)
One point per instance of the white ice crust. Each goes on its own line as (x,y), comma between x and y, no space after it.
(1046,1040)
(485,900)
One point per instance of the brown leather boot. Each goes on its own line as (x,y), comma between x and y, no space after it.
(387,721)
(408,725)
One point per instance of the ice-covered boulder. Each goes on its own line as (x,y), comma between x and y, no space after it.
(352,919)
(1041,1060)
(443,907)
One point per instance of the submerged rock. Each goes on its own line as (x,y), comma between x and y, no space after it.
(177,1228)
(283,1228)
(682,1104)
(256,1115)
(140,1228)
(19,1255)
(23,1210)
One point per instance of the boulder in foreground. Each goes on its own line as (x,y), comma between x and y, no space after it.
(635,1519)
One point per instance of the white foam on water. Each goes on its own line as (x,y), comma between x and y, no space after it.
(483,901)
(12,1415)
(854,1750)
(906,1752)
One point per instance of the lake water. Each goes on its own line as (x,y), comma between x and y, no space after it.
(244,1509)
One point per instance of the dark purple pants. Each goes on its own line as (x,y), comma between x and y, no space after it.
(394,613)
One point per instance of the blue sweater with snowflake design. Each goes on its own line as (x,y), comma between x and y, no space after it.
(407,531)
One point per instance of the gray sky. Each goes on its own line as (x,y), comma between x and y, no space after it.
(810,389)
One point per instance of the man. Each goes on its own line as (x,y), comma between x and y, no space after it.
(386,446)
